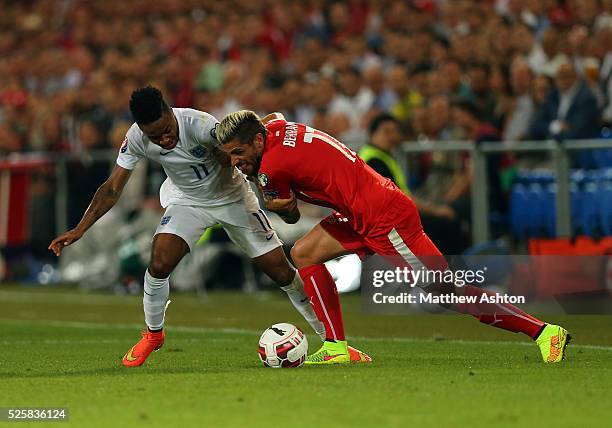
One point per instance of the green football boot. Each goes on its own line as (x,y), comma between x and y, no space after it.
(552,342)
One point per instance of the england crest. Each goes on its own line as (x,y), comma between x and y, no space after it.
(263,180)
(198,151)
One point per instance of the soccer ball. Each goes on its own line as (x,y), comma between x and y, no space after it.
(283,346)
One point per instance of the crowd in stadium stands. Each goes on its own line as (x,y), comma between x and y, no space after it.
(446,69)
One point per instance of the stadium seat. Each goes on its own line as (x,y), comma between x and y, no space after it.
(537,210)
(519,200)
(590,211)
(533,196)
(605,209)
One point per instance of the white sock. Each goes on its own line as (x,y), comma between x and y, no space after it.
(156,292)
(301,302)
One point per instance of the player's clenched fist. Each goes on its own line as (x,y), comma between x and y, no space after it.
(65,239)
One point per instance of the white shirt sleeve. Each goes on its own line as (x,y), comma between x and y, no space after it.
(204,127)
(131,150)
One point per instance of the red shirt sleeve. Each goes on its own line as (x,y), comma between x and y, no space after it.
(275,184)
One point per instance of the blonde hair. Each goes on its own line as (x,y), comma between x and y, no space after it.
(241,124)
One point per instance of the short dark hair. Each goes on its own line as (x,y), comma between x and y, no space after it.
(147,105)
(379,120)
(242,124)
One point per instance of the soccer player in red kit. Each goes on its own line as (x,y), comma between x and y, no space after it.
(293,161)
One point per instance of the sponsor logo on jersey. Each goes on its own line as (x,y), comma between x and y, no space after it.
(165,220)
(198,151)
(124,145)
(263,180)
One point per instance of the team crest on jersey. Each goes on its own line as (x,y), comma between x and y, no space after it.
(124,145)
(165,220)
(263,180)
(198,151)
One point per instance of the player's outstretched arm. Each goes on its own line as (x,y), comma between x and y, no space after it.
(105,198)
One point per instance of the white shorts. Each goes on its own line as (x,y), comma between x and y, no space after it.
(245,223)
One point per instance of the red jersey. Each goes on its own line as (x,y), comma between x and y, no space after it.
(323,171)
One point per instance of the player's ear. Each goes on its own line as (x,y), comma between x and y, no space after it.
(258,141)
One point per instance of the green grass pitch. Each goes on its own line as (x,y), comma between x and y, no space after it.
(63,348)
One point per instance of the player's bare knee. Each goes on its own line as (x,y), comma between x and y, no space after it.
(160,268)
(300,254)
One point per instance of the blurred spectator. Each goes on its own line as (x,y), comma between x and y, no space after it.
(545,56)
(407,97)
(87,174)
(520,114)
(541,88)
(606,82)
(438,219)
(482,96)
(571,108)
(467,116)
(9,140)
(80,60)
(353,101)
(439,118)
(384,98)
(455,84)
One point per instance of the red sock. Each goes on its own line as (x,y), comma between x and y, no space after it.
(319,286)
(500,315)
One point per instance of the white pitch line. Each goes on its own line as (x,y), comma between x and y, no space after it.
(204,330)
(75,341)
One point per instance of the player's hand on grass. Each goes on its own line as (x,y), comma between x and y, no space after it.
(65,239)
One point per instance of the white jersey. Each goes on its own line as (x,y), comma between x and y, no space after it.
(194,175)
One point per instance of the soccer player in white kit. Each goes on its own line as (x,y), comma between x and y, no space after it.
(201,190)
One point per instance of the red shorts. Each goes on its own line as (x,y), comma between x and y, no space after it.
(398,236)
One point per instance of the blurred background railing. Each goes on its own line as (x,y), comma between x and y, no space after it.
(44,194)
(541,199)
